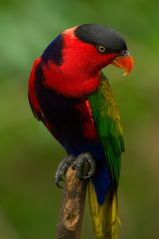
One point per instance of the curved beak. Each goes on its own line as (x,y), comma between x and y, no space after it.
(124,61)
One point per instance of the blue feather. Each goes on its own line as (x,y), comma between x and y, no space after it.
(101,180)
(54,51)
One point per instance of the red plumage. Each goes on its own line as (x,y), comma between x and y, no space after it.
(60,85)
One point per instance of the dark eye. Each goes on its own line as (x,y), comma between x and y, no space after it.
(101,49)
(124,53)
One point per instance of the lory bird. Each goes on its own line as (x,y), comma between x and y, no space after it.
(72,97)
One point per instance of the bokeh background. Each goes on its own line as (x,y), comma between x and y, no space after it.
(29,199)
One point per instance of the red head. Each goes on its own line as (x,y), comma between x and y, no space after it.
(71,64)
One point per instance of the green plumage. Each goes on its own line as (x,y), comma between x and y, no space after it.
(107,120)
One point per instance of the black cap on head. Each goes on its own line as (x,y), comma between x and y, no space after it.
(100,35)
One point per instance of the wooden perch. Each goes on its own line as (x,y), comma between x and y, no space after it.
(69,226)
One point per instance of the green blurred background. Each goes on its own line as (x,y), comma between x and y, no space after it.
(29,199)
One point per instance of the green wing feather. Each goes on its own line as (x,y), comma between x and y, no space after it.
(107,120)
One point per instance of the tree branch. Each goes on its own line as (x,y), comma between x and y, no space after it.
(71,215)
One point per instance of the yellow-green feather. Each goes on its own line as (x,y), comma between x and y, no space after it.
(107,121)
(105,217)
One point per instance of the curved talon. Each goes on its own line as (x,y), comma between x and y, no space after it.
(79,162)
(58,182)
(92,163)
(62,168)
(78,165)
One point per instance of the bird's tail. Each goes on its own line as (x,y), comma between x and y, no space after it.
(105,216)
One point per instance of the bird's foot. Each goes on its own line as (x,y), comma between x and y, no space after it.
(62,168)
(79,165)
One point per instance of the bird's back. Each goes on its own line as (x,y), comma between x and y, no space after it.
(68,119)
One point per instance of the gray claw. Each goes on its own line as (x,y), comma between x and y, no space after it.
(62,168)
(79,162)
(58,183)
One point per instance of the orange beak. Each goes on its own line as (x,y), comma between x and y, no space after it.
(125,62)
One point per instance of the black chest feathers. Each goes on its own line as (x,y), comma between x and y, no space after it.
(60,112)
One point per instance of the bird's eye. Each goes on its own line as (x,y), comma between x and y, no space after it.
(124,53)
(101,49)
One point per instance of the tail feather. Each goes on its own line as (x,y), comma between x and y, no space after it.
(105,216)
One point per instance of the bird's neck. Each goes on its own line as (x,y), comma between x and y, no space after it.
(70,81)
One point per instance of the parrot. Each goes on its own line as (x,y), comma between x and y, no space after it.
(69,93)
